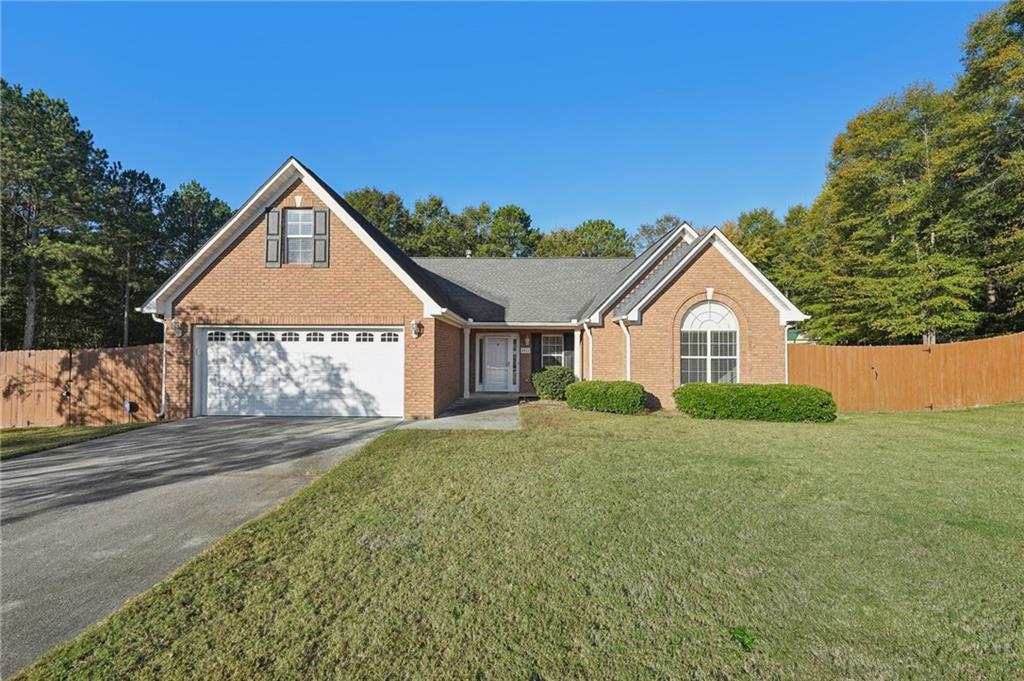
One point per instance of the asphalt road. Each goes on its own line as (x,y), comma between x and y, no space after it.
(83,528)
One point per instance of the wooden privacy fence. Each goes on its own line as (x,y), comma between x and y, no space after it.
(914,377)
(79,387)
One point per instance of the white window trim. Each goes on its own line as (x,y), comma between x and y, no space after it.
(707,340)
(513,347)
(288,213)
(560,354)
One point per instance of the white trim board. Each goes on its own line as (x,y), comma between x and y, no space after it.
(688,235)
(269,192)
(788,312)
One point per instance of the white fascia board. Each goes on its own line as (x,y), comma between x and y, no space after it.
(213,247)
(524,325)
(292,170)
(788,313)
(688,234)
(430,306)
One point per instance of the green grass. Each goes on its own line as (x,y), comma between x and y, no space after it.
(18,441)
(597,546)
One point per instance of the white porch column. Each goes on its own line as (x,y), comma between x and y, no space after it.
(590,352)
(577,357)
(465,361)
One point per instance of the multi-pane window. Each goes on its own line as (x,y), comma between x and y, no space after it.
(241,336)
(389,337)
(693,366)
(289,337)
(298,232)
(339,337)
(551,350)
(315,337)
(364,337)
(708,345)
(265,337)
(216,336)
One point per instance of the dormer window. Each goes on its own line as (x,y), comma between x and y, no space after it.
(298,233)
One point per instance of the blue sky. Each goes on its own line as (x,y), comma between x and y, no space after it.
(572,111)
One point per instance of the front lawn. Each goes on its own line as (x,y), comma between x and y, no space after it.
(597,546)
(18,441)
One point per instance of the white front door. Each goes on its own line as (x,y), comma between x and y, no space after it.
(496,364)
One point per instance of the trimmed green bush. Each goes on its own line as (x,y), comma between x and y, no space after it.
(617,397)
(550,383)
(750,401)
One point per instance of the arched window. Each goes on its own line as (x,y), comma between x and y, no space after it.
(364,337)
(216,336)
(265,336)
(289,337)
(389,337)
(339,337)
(315,337)
(709,345)
(242,336)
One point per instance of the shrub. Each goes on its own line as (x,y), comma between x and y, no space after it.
(776,402)
(617,397)
(551,383)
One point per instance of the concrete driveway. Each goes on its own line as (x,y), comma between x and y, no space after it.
(85,527)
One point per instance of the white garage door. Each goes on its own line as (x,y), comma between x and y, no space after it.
(249,371)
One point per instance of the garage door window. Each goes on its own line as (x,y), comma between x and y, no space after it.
(315,337)
(389,337)
(265,337)
(217,336)
(339,337)
(364,337)
(241,336)
(289,337)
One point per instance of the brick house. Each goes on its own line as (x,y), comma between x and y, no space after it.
(299,306)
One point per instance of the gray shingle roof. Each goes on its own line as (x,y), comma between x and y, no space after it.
(525,289)
(655,276)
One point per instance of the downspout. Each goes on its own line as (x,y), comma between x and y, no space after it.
(163,370)
(785,352)
(590,351)
(629,350)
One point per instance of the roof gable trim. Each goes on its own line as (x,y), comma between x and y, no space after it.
(269,192)
(788,312)
(684,231)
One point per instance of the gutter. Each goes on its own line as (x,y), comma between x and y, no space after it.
(629,350)
(785,353)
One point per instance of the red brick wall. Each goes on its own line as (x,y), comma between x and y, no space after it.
(447,365)
(357,288)
(655,342)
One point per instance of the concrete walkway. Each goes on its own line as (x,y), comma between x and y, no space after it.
(88,526)
(477,412)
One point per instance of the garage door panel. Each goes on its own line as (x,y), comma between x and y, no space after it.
(308,378)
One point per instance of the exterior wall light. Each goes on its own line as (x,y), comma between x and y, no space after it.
(416,327)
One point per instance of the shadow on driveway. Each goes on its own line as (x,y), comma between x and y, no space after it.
(110,467)
(88,526)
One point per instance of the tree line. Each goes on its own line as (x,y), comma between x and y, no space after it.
(85,240)
(917,233)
